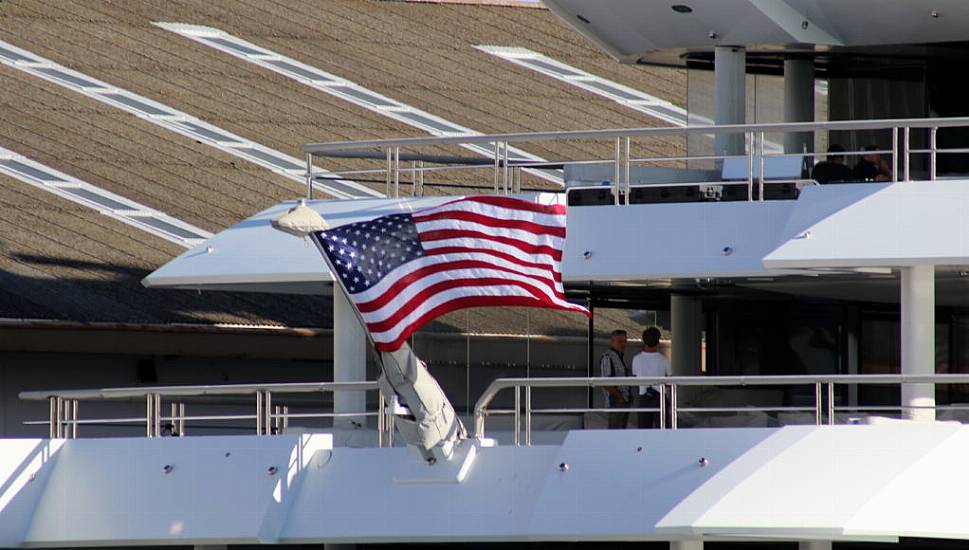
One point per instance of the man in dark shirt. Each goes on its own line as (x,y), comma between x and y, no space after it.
(832,170)
(871,167)
(613,364)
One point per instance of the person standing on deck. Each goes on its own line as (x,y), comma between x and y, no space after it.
(613,364)
(650,363)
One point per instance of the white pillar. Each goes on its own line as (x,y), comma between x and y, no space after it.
(918,338)
(692,544)
(814,545)
(349,359)
(686,325)
(730,102)
(799,102)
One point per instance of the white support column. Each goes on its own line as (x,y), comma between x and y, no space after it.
(686,324)
(814,545)
(692,544)
(349,359)
(730,89)
(799,102)
(918,338)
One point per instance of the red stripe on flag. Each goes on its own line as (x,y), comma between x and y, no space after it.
(497,253)
(516,204)
(413,277)
(418,299)
(443,234)
(492,221)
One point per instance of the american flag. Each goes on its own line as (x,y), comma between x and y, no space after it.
(404,270)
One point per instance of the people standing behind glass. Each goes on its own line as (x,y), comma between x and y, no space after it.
(832,169)
(871,167)
(613,364)
(650,363)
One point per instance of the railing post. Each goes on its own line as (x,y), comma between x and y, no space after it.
(396,173)
(158,414)
(505,169)
(497,164)
(309,176)
(626,170)
(149,403)
(518,419)
(52,423)
(763,138)
(285,418)
(895,155)
(673,406)
(831,403)
(518,179)
(617,164)
(60,407)
(74,419)
(751,145)
(388,174)
(528,416)
(258,412)
(380,419)
(908,156)
(662,406)
(181,420)
(817,404)
(933,142)
(268,411)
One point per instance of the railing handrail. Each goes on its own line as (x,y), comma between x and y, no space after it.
(773,127)
(201,390)
(480,408)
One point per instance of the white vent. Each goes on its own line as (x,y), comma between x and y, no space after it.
(178,121)
(346,90)
(110,204)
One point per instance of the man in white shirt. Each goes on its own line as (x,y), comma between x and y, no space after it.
(650,362)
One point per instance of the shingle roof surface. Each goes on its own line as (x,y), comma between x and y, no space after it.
(62,261)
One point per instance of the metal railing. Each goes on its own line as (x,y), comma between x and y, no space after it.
(269,419)
(825,406)
(506,170)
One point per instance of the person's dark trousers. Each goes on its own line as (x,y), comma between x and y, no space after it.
(618,420)
(648,420)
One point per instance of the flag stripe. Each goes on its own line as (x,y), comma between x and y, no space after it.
(483,219)
(533,239)
(441,234)
(517,204)
(444,268)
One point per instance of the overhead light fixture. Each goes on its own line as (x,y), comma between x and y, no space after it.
(682,8)
(583,19)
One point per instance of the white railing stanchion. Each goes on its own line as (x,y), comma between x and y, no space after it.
(626,169)
(258,412)
(268,411)
(817,404)
(497,165)
(673,423)
(895,154)
(617,170)
(908,156)
(388,175)
(52,403)
(158,414)
(933,142)
(518,418)
(763,176)
(662,406)
(528,416)
(751,145)
(831,419)
(149,403)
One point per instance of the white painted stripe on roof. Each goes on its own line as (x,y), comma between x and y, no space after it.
(346,90)
(619,93)
(110,204)
(178,121)
(624,95)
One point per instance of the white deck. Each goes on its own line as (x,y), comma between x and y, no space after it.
(839,482)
